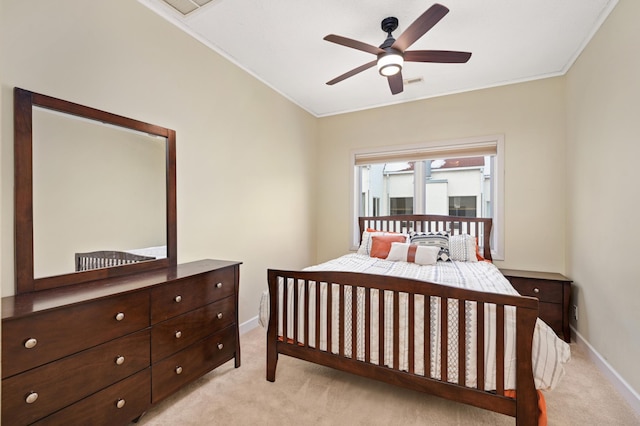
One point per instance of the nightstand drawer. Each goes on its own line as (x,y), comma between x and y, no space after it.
(553,290)
(545,291)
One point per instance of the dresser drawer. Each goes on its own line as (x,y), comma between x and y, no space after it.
(62,332)
(545,291)
(190,293)
(177,333)
(169,375)
(102,408)
(70,379)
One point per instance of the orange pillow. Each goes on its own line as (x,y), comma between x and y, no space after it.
(386,232)
(381,244)
(478,255)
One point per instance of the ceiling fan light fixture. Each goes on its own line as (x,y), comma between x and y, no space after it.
(390,63)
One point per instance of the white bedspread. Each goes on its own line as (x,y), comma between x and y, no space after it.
(548,355)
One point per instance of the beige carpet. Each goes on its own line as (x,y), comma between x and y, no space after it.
(307,394)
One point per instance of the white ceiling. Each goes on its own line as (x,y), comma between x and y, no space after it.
(280,42)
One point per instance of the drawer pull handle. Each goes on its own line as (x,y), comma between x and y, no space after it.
(119,316)
(31,398)
(30,343)
(119,360)
(178,370)
(178,299)
(219,315)
(178,334)
(536,290)
(220,346)
(219,285)
(120,403)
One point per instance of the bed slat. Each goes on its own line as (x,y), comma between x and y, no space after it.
(329,316)
(396,330)
(354,322)
(444,338)
(367,324)
(295,311)
(318,321)
(500,349)
(305,320)
(341,322)
(480,345)
(411,332)
(462,367)
(380,327)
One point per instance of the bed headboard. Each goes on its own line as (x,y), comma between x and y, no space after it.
(477,226)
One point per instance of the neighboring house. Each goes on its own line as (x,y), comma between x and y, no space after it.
(455,186)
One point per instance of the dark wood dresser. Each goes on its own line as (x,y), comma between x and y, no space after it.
(552,290)
(102,352)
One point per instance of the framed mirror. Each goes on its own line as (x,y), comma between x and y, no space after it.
(95,193)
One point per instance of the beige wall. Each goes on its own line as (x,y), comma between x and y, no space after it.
(531,117)
(244,153)
(603,197)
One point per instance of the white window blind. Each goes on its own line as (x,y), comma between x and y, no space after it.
(428,151)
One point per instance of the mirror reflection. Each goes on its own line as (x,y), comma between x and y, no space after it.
(96,187)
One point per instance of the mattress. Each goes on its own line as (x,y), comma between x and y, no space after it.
(549,352)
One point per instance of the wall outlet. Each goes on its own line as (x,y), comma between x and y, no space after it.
(574,312)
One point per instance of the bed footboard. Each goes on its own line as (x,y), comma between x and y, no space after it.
(438,339)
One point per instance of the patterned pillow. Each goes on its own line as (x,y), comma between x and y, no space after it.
(422,255)
(436,239)
(462,247)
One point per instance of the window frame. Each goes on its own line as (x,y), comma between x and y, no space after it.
(434,150)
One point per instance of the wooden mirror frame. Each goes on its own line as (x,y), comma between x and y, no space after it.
(24,101)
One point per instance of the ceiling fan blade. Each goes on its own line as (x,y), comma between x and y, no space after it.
(395,83)
(352,72)
(354,44)
(442,56)
(420,26)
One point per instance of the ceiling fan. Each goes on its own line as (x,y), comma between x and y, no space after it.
(392,54)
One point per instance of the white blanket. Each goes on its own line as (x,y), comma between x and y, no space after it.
(548,355)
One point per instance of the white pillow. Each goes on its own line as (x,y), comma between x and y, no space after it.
(365,245)
(462,247)
(422,255)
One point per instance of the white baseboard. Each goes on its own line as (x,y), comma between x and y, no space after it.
(249,325)
(626,391)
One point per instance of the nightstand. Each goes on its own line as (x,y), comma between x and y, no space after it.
(552,290)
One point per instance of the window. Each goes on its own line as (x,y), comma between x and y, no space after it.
(400,205)
(457,178)
(463,206)
(376,206)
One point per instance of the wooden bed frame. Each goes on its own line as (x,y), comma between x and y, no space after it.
(106,259)
(523,406)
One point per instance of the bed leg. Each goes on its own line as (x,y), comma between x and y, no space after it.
(272,360)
